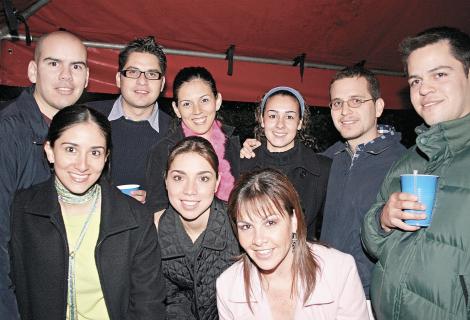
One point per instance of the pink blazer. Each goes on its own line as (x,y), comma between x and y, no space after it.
(338,293)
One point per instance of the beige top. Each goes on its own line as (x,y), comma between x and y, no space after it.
(90,300)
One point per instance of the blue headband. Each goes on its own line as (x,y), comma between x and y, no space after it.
(288,89)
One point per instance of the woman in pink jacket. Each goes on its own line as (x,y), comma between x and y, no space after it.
(280,275)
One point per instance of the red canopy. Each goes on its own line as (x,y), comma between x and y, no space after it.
(329,33)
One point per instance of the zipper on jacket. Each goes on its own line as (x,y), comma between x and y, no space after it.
(464,289)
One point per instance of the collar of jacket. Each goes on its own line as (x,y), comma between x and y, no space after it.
(376,146)
(321,293)
(295,156)
(29,109)
(115,209)
(450,135)
(215,236)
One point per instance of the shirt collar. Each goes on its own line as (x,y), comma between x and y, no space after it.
(117,112)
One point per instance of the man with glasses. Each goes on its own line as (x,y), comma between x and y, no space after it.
(360,162)
(136,120)
(59,74)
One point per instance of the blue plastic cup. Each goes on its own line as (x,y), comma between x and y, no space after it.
(424,187)
(128,188)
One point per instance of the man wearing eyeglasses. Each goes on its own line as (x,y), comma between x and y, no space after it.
(136,120)
(360,162)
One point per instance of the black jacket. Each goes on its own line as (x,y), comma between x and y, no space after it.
(352,189)
(127,256)
(157,198)
(22,164)
(307,171)
(132,142)
(191,290)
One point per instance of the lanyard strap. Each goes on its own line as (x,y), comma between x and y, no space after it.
(71,287)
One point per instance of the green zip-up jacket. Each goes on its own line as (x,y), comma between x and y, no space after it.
(426,274)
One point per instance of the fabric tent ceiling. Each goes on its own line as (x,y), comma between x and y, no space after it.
(329,33)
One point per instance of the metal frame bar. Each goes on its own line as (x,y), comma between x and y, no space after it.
(4,32)
(221,56)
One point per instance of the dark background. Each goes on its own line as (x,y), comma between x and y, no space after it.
(241,115)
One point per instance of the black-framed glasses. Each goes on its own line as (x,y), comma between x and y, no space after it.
(352,102)
(135,74)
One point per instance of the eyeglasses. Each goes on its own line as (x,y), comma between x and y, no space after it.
(352,102)
(135,74)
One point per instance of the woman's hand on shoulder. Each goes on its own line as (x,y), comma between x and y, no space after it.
(139,195)
(248,146)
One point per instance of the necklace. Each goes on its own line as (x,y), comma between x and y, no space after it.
(71,286)
(68,197)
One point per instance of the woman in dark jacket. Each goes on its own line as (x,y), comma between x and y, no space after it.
(80,249)
(282,119)
(196,101)
(195,234)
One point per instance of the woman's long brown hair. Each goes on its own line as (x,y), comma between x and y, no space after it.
(268,190)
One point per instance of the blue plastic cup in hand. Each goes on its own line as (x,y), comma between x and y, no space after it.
(128,188)
(424,187)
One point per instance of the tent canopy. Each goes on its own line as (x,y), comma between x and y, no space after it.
(330,34)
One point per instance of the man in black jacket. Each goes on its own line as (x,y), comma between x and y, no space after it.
(59,73)
(136,120)
(360,162)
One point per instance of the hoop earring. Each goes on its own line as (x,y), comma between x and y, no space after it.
(294,240)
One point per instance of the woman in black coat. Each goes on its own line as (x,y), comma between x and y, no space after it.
(282,119)
(195,234)
(195,103)
(79,247)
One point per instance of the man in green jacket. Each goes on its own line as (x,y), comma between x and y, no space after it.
(424,273)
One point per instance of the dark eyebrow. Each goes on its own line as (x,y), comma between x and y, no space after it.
(178,171)
(412,76)
(440,67)
(58,60)
(52,59)
(69,143)
(79,62)
(205,172)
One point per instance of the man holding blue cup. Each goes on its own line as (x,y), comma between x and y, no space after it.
(423,270)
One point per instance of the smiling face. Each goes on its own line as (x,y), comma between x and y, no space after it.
(266,237)
(439,87)
(79,156)
(197,106)
(356,125)
(140,93)
(281,120)
(59,71)
(191,183)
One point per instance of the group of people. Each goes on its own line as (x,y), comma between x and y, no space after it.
(283,233)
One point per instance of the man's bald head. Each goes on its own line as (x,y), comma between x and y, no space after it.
(62,36)
(59,71)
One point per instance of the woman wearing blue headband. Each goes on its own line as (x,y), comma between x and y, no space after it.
(283,118)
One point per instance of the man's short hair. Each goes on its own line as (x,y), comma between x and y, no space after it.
(143,45)
(458,40)
(40,41)
(358,71)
